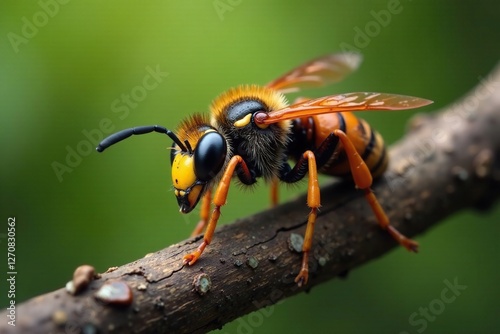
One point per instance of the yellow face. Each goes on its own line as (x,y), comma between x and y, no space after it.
(188,189)
(197,164)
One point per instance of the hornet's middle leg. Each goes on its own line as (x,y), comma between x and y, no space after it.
(309,162)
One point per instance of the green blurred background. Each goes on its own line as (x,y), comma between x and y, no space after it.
(72,71)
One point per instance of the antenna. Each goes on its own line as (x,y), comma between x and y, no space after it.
(188,145)
(139,130)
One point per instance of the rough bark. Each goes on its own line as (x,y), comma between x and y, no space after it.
(447,162)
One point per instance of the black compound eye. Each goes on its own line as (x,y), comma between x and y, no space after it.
(209,155)
(172,154)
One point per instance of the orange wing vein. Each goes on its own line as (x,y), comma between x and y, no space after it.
(318,72)
(361,101)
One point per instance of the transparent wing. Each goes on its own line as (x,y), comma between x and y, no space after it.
(318,72)
(343,102)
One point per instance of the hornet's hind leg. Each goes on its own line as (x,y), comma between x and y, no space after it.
(363,180)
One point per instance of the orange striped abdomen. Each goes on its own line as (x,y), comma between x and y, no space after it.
(367,141)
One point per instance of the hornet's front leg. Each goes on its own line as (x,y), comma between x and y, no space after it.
(219,200)
(204,213)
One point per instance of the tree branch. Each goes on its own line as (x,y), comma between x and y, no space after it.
(447,162)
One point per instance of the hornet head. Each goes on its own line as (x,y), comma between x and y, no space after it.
(197,162)
(198,155)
